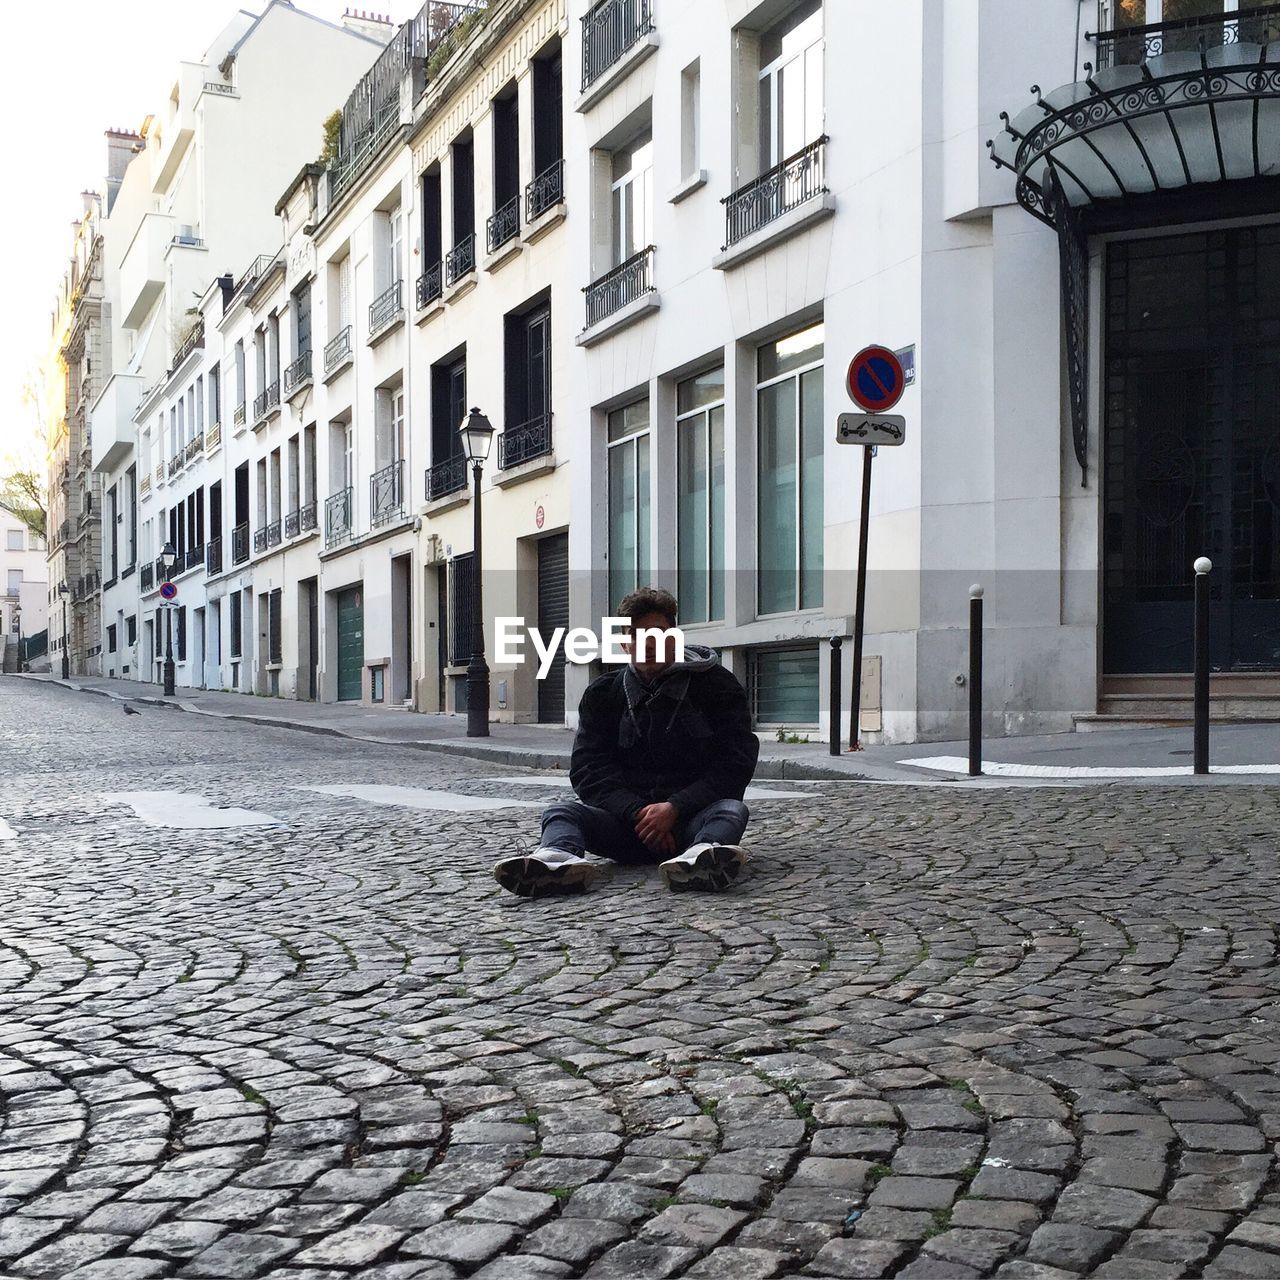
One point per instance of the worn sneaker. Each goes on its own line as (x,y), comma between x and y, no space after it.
(544,872)
(705,868)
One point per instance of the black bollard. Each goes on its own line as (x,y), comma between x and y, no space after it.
(836,701)
(975,681)
(1203,566)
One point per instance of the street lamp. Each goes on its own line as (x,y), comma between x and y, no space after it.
(168,558)
(66,652)
(477,439)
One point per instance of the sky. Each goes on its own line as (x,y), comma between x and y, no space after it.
(71,69)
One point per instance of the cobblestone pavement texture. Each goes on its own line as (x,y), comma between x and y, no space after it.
(1028,1034)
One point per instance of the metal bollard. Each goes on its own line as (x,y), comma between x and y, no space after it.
(1203,566)
(836,703)
(975,680)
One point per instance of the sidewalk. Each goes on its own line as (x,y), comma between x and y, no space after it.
(1119,755)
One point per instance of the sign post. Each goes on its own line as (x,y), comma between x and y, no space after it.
(875,382)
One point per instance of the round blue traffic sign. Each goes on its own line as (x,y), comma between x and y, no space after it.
(876,381)
(168,591)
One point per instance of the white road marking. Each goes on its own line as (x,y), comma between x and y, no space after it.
(562,780)
(422,798)
(185,810)
(993,768)
(6,831)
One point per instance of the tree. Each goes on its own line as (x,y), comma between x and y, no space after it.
(332,133)
(22,491)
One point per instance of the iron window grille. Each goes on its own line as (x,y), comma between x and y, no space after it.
(529,440)
(337,517)
(386,307)
(337,350)
(146,577)
(307,517)
(274,536)
(623,285)
(298,373)
(292,524)
(786,186)
(446,477)
(213,560)
(429,286)
(386,493)
(504,225)
(240,543)
(238,415)
(608,31)
(546,190)
(460,260)
(260,540)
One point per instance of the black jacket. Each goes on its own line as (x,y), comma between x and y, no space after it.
(708,753)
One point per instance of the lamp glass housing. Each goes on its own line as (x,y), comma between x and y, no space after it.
(477,437)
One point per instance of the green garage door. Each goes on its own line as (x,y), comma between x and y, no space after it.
(350,644)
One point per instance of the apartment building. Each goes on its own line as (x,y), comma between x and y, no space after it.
(192,207)
(24,588)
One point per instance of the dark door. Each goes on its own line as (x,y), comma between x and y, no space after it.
(313,640)
(553,612)
(350,644)
(1192,449)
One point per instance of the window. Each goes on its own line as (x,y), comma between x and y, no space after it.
(301,321)
(13,540)
(784,685)
(464,195)
(15,581)
(215,395)
(131,629)
(790,434)
(791,103)
(528,365)
(180,634)
(448,408)
(344,293)
(395,247)
(700,496)
(181,437)
(629,502)
(388,426)
(234,618)
(36,542)
(199,406)
(690,119)
(632,199)
(111,637)
(275,649)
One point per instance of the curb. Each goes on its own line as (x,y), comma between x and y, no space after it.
(516,757)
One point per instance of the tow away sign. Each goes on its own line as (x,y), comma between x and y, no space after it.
(870,428)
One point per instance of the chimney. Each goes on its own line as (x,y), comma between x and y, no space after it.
(121,146)
(379,26)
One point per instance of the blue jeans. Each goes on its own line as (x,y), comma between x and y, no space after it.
(576,827)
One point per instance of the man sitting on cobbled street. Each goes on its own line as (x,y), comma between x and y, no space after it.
(662,757)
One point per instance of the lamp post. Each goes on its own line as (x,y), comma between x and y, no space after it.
(477,439)
(64,592)
(168,558)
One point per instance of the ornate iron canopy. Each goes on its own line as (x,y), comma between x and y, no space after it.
(1158,116)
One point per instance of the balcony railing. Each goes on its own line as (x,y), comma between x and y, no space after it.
(337,517)
(175,465)
(307,518)
(213,437)
(146,577)
(608,31)
(429,286)
(196,447)
(259,540)
(298,374)
(446,477)
(144,486)
(194,558)
(1131,46)
(504,225)
(545,191)
(196,337)
(460,260)
(237,417)
(386,308)
(337,349)
(266,400)
(529,440)
(274,535)
(213,556)
(386,493)
(786,186)
(240,543)
(623,285)
(291,525)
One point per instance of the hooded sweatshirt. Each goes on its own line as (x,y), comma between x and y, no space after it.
(686,738)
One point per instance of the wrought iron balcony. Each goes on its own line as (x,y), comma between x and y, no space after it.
(460,260)
(196,447)
(237,417)
(529,440)
(163,574)
(213,437)
(144,486)
(338,517)
(544,192)
(194,558)
(337,350)
(446,477)
(291,525)
(274,536)
(298,374)
(786,186)
(386,308)
(196,337)
(429,286)
(307,517)
(504,225)
(146,577)
(213,556)
(608,31)
(273,394)
(623,285)
(1132,46)
(386,493)
(175,465)
(259,540)
(240,543)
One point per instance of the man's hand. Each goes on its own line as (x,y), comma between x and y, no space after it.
(655,827)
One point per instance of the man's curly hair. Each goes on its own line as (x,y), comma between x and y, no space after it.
(646,600)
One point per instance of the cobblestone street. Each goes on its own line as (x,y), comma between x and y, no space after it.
(1028,1033)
